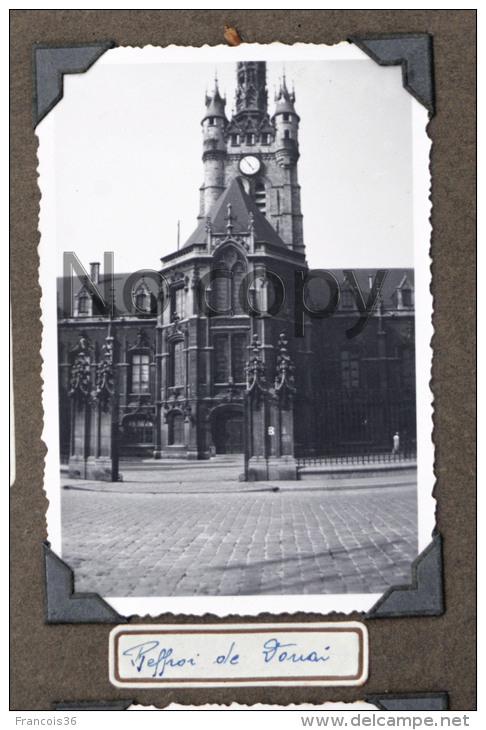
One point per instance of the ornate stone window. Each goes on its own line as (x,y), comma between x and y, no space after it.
(140,373)
(230,356)
(239,271)
(139,358)
(176,364)
(221,358)
(178,303)
(239,356)
(226,289)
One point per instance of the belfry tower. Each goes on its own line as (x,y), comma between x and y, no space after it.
(232,283)
(261,151)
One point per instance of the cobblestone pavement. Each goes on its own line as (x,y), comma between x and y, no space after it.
(204,535)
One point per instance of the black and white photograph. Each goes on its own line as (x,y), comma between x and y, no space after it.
(237,325)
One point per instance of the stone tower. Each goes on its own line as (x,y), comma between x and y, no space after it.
(232,283)
(261,151)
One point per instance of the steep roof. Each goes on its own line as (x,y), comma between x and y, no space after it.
(241,207)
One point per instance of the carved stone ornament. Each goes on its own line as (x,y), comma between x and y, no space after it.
(195,277)
(255,370)
(142,342)
(105,374)
(80,375)
(177,328)
(284,379)
(180,406)
(231,393)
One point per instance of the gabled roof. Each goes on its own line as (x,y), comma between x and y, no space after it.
(405,283)
(393,280)
(241,207)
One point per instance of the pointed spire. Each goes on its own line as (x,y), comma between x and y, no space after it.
(284,99)
(230,218)
(251,92)
(215,103)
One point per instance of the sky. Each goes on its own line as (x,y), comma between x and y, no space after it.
(128,144)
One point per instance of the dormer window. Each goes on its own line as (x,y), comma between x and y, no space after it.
(404,294)
(347,299)
(142,302)
(250,138)
(265,138)
(84,301)
(235,140)
(406,297)
(143,299)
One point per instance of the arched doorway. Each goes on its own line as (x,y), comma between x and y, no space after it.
(228,430)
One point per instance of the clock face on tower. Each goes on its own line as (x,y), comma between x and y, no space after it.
(249,165)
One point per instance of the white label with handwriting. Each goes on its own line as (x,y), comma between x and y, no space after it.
(148,655)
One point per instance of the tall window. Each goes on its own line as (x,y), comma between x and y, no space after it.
(178,303)
(238,357)
(221,359)
(260,197)
(176,374)
(176,429)
(238,276)
(221,289)
(140,373)
(226,289)
(230,356)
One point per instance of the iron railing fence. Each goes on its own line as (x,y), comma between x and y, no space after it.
(357,459)
(361,425)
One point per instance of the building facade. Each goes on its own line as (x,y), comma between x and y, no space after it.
(181,349)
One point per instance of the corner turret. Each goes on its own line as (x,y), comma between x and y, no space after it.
(214,124)
(286,122)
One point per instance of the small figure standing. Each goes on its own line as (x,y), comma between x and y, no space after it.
(396,443)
